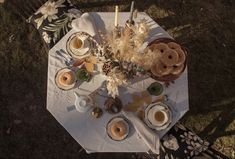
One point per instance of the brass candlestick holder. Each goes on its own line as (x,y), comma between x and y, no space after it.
(128,31)
(117,32)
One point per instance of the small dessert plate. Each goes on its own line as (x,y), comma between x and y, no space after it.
(109,126)
(58,76)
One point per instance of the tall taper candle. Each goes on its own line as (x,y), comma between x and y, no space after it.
(131,12)
(116,16)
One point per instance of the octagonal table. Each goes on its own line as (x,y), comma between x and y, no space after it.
(91,133)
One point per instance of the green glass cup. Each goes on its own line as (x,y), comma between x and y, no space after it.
(155,89)
(83,75)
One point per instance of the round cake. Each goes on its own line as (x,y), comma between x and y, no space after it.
(172,60)
(162,47)
(170,57)
(65,79)
(117,129)
(182,57)
(173,45)
(160,69)
(177,69)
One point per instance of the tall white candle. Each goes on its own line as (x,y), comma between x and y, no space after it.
(116,16)
(131,11)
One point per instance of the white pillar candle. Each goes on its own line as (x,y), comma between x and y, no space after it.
(116,16)
(131,11)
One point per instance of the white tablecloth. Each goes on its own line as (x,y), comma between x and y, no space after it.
(89,132)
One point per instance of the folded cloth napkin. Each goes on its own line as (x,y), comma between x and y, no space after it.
(147,135)
(85,23)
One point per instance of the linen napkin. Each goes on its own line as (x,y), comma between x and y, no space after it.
(85,23)
(147,135)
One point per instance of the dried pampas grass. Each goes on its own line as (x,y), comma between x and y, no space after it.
(141,33)
(115,79)
(125,45)
(146,59)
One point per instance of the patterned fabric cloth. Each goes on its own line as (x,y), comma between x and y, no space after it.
(53,20)
(181,143)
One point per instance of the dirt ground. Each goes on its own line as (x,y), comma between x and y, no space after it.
(205,27)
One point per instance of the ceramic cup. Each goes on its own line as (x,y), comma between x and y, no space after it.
(77,43)
(158,116)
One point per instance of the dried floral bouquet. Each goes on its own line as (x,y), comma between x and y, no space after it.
(126,56)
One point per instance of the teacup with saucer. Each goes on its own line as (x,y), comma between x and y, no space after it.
(78,45)
(158,116)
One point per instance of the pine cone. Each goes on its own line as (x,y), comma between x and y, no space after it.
(108,66)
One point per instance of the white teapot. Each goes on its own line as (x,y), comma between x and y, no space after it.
(82,103)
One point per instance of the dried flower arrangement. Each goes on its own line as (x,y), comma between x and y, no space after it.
(124,48)
(115,79)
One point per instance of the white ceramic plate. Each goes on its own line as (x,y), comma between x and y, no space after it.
(68,87)
(79,53)
(116,119)
(161,106)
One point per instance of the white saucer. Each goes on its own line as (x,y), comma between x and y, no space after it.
(68,87)
(160,106)
(79,53)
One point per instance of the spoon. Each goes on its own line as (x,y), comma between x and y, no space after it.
(71,60)
(66,60)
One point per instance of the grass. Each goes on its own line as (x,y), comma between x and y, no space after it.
(205,28)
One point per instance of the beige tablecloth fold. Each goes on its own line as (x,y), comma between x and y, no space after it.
(150,138)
